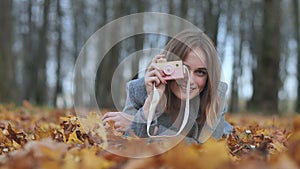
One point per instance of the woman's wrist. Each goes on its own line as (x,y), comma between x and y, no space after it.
(146,106)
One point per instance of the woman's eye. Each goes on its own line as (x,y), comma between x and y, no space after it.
(201,72)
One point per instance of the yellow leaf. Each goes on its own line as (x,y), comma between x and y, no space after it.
(284,161)
(211,155)
(42,132)
(71,161)
(91,161)
(73,138)
(278,147)
(93,124)
(49,164)
(50,153)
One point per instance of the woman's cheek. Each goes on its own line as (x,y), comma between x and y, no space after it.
(201,84)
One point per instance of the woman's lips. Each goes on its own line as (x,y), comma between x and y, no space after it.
(184,88)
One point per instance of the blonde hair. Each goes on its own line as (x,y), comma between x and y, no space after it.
(179,47)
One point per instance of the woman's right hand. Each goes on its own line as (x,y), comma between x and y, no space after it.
(155,76)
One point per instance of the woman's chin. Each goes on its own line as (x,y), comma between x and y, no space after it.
(183,95)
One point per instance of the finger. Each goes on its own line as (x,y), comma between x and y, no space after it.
(159,74)
(154,70)
(120,129)
(157,57)
(154,66)
(155,130)
(127,116)
(118,124)
(109,119)
(110,114)
(153,80)
(106,126)
(106,115)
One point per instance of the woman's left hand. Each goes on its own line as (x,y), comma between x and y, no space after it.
(121,120)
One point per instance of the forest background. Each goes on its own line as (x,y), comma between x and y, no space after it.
(258,42)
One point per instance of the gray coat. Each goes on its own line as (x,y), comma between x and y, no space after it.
(136,96)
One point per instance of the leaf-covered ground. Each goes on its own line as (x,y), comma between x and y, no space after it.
(33,137)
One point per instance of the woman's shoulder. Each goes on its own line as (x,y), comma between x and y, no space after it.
(222,89)
(137,92)
(137,83)
(223,86)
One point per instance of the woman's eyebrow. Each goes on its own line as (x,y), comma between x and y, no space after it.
(200,68)
(186,65)
(203,69)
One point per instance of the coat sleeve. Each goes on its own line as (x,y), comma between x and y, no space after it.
(136,96)
(223,127)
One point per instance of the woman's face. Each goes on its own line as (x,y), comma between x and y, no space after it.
(195,61)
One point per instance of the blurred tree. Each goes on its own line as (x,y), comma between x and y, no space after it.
(297,31)
(238,32)
(266,80)
(58,86)
(25,50)
(36,55)
(109,63)
(7,64)
(100,76)
(41,58)
(139,39)
(81,32)
(184,7)
(211,15)
(79,24)
(28,39)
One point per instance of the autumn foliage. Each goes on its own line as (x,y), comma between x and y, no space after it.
(33,137)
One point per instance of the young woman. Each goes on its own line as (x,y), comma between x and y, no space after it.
(206,93)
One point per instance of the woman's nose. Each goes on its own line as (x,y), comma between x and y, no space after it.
(190,75)
(192,81)
(187,72)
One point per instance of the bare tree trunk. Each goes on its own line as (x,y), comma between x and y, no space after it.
(267,80)
(35,55)
(211,20)
(42,56)
(28,57)
(239,38)
(297,32)
(184,9)
(256,34)
(99,77)
(107,66)
(171,7)
(6,57)
(76,22)
(139,40)
(237,70)
(58,86)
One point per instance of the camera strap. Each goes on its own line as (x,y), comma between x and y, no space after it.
(155,101)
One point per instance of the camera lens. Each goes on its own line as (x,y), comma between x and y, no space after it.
(168,69)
